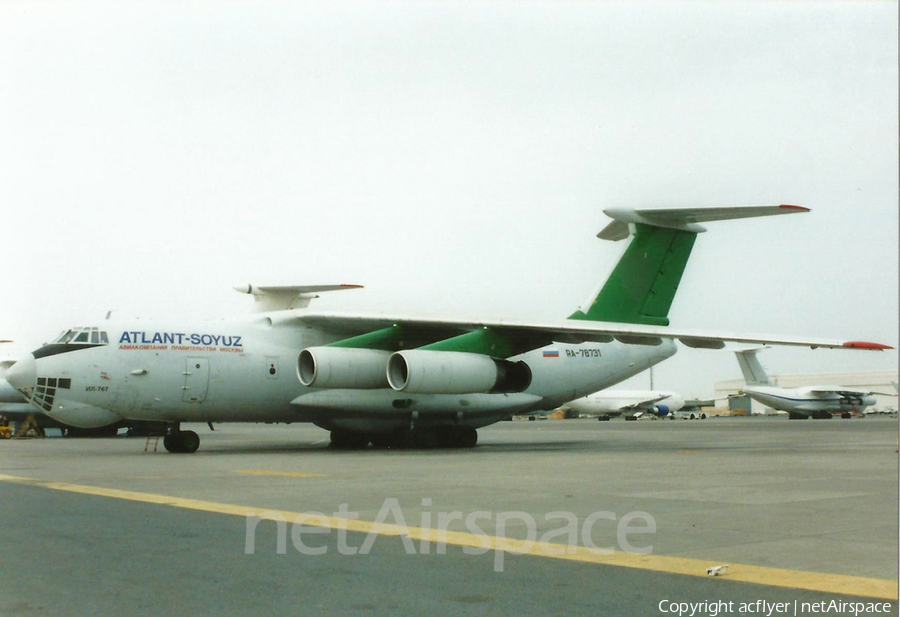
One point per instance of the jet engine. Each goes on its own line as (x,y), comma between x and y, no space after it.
(343,367)
(454,372)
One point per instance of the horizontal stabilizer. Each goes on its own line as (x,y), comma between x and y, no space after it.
(285,297)
(685,219)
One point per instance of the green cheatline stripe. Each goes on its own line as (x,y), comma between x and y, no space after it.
(642,286)
(396,337)
(491,342)
(387,339)
(484,341)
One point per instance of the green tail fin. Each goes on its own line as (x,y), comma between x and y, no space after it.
(642,286)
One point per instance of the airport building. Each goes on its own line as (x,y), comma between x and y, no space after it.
(876,381)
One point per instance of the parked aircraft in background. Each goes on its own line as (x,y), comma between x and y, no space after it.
(389,380)
(804,402)
(607,404)
(14,407)
(8,394)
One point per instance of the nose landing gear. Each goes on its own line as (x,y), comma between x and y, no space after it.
(182,442)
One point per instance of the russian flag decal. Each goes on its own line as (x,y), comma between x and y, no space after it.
(553,353)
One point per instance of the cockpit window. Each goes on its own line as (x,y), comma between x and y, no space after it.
(66,336)
(87,335)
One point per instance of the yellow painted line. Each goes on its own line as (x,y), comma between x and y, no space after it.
(5,478)
(775,577)
(292,474)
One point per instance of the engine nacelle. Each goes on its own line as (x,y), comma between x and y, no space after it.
(454,372)
(343,367)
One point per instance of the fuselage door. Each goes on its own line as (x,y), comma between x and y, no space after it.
(196,380)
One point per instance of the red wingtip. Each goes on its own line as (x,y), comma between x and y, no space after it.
(351,286)
(789,207)
(865,345)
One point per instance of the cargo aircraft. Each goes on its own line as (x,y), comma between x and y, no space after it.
(818,402)
(388,380)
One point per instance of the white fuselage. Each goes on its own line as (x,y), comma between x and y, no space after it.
(810,400)
(615,402)
(245,370)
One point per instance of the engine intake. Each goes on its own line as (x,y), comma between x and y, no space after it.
(453,372)
(343,367)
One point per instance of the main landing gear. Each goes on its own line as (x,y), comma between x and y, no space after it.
(425,439)
(183,442)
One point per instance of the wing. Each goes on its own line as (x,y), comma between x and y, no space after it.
(520,336)
(849,393)
(643,404)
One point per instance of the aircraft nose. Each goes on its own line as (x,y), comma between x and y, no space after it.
(23,374)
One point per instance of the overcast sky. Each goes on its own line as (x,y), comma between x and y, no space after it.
(453,158)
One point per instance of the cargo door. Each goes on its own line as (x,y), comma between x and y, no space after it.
(196,380)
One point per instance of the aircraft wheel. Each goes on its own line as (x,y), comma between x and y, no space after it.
(189,441)
(426,439)
(384,441)
(171,443)
(447,438)
(466,437)
(796,416)
(182,442)
(846,415)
